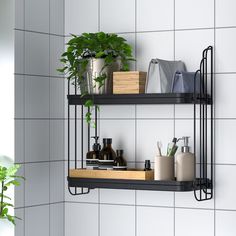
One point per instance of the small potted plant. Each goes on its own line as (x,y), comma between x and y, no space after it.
(90,60)
(8,178)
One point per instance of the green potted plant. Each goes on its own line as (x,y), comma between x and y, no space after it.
(90,60)
(8,178)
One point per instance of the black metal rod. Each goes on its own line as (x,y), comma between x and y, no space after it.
(96,121)
(212,96)
(82,136)
(88,133)
(68,131)
(75,127)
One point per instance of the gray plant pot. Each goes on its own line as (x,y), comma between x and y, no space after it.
(96,68)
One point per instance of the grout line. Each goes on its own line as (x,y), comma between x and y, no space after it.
(168,30)
(24,213)
(47,76)
(49,112)
(123,204)
(99,15)
(39,205)
(39,162)
(150,206)
(63,77)
(39,32)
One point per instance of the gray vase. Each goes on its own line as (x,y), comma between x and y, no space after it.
(96,68)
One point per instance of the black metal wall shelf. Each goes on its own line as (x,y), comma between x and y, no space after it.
(176,186)
(202,186)
(129,99)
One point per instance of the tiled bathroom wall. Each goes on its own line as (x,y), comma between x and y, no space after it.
(171,30)
(39,117)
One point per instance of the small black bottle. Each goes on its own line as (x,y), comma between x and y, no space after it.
(119,162)
(147,165)
(107,155)
(92,157)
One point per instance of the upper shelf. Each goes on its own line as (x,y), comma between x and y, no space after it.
(129,99)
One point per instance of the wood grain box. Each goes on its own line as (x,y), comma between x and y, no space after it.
(129,82)
(133,174)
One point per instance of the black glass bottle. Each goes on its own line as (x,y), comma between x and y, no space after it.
(107,155)
(120,162)
(92,157)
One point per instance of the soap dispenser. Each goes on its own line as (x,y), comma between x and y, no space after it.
(92,157)
(185,163)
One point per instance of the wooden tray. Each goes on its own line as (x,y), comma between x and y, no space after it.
(113,174)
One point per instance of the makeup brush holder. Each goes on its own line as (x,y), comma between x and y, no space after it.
(164,168)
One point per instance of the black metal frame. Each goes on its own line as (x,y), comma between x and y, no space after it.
(203,182)
(205,190)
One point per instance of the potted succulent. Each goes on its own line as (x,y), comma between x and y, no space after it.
(90,60)
(8,178)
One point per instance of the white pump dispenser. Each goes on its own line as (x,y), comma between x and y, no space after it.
(185,163)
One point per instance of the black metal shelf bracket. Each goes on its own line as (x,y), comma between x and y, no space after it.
(202,103)
(204,120)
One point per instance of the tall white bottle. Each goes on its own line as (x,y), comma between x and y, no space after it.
(185,163)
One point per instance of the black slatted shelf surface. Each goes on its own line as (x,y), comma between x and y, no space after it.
(92,183)
(155,98)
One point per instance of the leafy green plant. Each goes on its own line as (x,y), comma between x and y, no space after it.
(82,48)
(8,178)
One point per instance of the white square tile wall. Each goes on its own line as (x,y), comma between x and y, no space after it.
(225,16)
(192,14)
(39,140)
(57,100)
(79,217)
(155,198)
(37,221)
(81,16)
(117,196)
(154,45)
(57,140)
(152,15)
(225,223)
(36,184)
(189,45)
(186,220)
(36,140)
(57,47)
(225,50)
(36,54)
(37,15)
(56,172)
(123,216)
(126,23)
(36,91)
(57,219)
(225,194)
(57,17)
(225,96)
(153,220)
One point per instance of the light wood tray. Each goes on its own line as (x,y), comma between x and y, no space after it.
(113,174)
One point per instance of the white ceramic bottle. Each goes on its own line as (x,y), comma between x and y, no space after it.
(185,163)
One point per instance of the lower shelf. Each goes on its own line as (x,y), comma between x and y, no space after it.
(176,186)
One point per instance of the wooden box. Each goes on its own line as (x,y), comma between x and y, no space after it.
(113,174)
(128,82)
